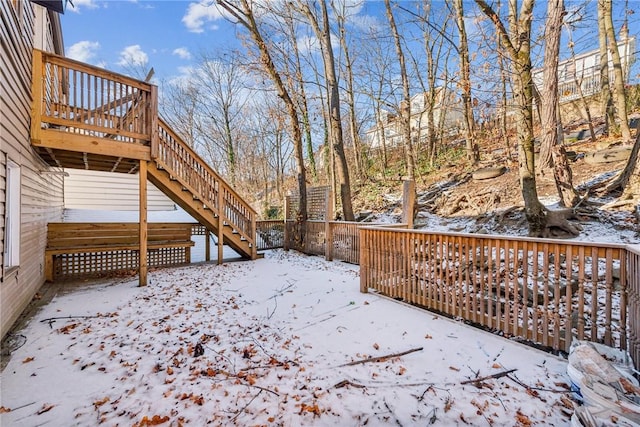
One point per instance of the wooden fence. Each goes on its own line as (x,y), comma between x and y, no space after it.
(538,290)
(339,240)
(270,234)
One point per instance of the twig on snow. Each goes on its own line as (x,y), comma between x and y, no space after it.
(50,320)
(382,358)
(392,413)
(246,406)
(344,383)
(520,383)
(489,377)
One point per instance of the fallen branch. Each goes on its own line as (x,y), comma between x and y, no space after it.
(528,387)
(382,358)
(245,406)
(344,383)
(489,377)
(50,320)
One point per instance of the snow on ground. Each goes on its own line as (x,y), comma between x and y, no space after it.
(267,342)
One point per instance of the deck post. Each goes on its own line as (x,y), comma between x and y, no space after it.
(220,223)
(36,93)
(143,266)
(207,244)
(408,202)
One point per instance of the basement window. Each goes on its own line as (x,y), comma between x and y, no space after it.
(12,217)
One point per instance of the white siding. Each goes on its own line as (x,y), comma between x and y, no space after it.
(41,192)
(109,191)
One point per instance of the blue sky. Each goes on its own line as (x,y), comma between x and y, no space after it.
(169,34)
(165,34)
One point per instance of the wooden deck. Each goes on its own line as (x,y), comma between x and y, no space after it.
(84,117)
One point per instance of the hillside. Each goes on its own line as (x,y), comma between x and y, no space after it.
(450,199)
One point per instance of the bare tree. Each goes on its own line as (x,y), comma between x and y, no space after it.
(242,13)
(405,106)
(301,93)
(605,87)
(517,42)
(620,99)
(323,33)
(473,154)
(340,11)
(552,152)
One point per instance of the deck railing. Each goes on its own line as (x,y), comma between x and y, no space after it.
(85,100)
(186,166)
(633,301)
(541,291)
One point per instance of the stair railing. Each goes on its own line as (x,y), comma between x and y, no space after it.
(182,163)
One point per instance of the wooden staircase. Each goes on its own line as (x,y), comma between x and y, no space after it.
(191,183)
(89,118)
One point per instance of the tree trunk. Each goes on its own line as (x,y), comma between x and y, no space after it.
(552,153)
(518,44)
(405,105)
(620,98)
(473,154)
(351,102)
(335,120)
(605,92)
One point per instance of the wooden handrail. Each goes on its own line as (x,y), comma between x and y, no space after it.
(185,165)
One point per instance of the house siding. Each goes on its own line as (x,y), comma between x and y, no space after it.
(118,192)
(41,198)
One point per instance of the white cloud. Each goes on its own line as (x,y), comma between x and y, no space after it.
(133,55)
(83,51)
(78,5)
(182,52)
(198,14)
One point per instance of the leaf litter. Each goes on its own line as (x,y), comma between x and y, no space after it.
(286,340)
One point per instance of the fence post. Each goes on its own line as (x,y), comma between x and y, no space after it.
(364,261)
(285,243)
(408,202)
(328,230)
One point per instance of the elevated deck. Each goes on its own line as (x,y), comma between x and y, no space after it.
(84,117)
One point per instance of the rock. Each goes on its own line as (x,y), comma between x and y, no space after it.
(488,173)
(610,155)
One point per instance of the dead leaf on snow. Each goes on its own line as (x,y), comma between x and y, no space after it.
(100,402)
(153,421)
(28,359)
(522,419)
(4,410)
(45,408)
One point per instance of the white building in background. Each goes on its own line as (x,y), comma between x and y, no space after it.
(581,75)
(448,120)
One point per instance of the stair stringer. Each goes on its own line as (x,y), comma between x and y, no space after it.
(184,198)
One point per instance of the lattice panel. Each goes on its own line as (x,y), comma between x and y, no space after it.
(293,202)
(91,264)
(317,203)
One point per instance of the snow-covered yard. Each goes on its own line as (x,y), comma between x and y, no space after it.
(268,342)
